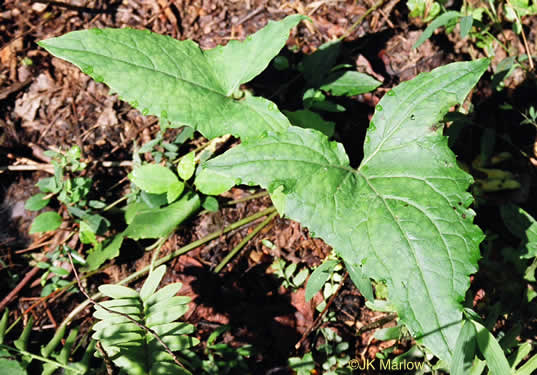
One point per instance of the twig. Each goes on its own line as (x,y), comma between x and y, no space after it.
(318,319)
(361,19)
(376,324)
(14,88)
(27,278)
(248,16)
(244,241)
(183,250)
(33,167)
(50,169)
(126,316)
(106,358)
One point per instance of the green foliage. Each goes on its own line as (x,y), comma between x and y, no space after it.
(36,202)
(319,277)
(443,20)
(287,272)
(223,359)
(54,277)
(187,166)
(15,360)
(515,9)
(133,349)
(331,353)
(402,216)
(308,119)
(156,179)
(151,71)
(523,226)
(407,166)
(324,77)
(427,10)
(334,351)
(46,222)
(302,366)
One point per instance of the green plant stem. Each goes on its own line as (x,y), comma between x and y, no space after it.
(113,204)
(156,253)
(248,198)
(244,241)
(40,358)
(185,249)
(156,244)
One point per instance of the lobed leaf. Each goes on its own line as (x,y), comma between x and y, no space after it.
(153,71)
(402,216)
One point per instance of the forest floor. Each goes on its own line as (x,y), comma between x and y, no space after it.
(46,103)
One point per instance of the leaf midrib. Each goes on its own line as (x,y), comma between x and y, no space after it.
(422,276)
(383,199)
(154,70)
(409,108)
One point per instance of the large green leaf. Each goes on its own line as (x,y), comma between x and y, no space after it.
(178,81)
(402,215)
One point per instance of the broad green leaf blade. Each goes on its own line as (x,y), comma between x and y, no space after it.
(36,202)
(349,83)
(403,215)
(8,365)
(442,20)
(465,350)
(308,119)
(239,62)
(466,25)
(187,166)
(174,191)
(319,63)
(523,226)
(361,280)
(153,178)
(491,350)
(319,277)
(46,222)
(390,333)
(160,222)
(178,81)
(210,204)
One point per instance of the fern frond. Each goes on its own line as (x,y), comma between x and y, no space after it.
(135,350)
